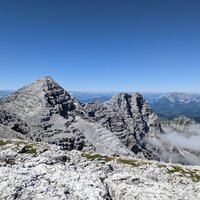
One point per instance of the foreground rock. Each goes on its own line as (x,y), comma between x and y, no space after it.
(42,171)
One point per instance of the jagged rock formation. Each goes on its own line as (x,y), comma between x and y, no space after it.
(44,111)
(129,117)
(125,125)
(40,111)
(42,171)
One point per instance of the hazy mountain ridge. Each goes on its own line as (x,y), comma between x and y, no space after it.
(4,93)
(178,104)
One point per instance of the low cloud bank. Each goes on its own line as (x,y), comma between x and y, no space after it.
(180,141)
(178,147)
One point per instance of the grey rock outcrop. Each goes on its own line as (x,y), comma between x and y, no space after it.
(7,133)
(42,111)
(130,118)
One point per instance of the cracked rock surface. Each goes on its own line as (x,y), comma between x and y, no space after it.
(43,171)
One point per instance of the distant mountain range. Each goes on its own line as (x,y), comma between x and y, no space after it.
(4,93)
(176,104)
(86,97)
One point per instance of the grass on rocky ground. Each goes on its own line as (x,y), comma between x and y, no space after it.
(132,162)
(89,156)
(194,175)
(5,142)
(188,173)
(28,148)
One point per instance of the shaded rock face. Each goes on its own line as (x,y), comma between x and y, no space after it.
(44,111)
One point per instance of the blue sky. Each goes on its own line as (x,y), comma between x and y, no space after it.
(101,45)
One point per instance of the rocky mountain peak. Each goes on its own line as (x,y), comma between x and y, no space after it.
(40,110)
(41,96)
(126,101)
(132,105)
(43,84)
(46,84)
(45,79)
(44,111)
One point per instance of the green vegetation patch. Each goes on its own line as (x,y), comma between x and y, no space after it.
(161,166)
(131,162)
(5,142)
(89,156)
(29,149)
(193,174)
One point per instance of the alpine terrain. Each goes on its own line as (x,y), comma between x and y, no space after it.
(52,146)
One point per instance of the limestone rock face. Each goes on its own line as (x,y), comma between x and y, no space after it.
(42,111)
(7,133)
(129,117)
(54,125)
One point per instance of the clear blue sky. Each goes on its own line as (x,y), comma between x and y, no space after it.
(101,45)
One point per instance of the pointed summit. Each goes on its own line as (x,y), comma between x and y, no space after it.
(127,102)
(41,96)
(41,111)
(45,80)
(45,84)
